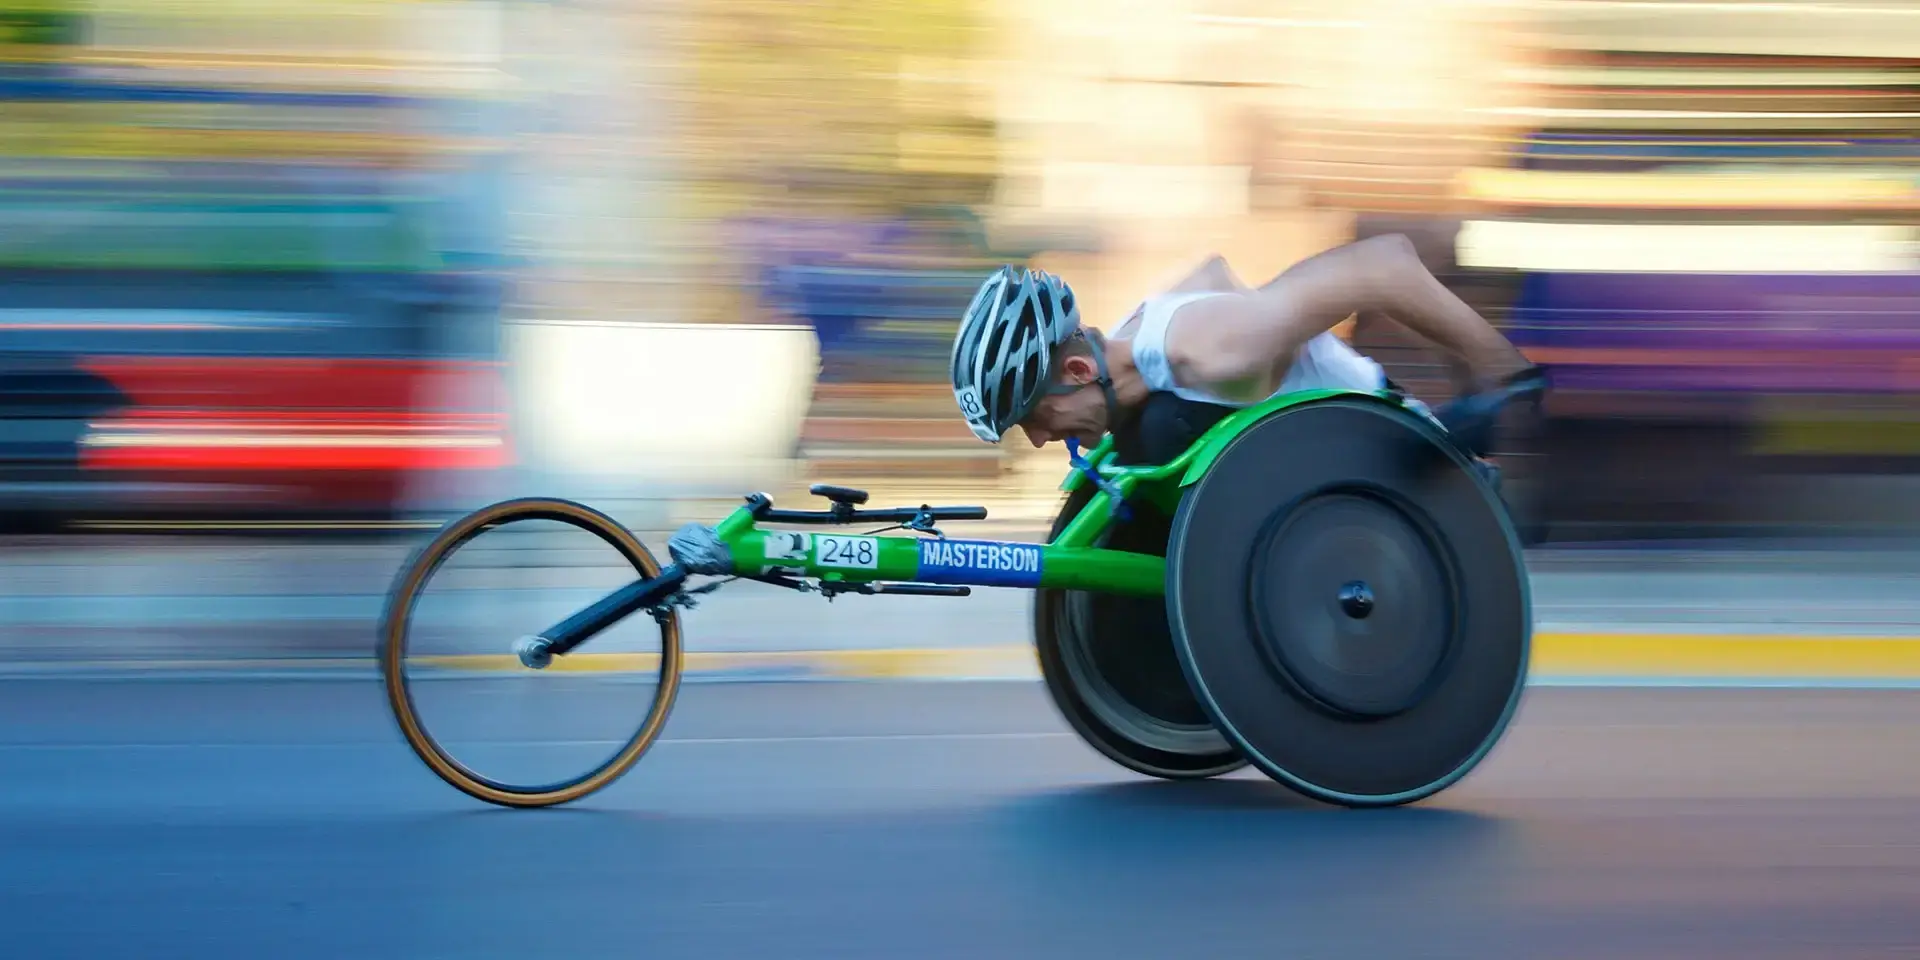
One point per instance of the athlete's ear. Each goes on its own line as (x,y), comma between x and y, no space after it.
(1079,369)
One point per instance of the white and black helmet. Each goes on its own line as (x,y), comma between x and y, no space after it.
(1003,354)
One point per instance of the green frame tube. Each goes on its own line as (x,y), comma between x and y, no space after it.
(1068,562)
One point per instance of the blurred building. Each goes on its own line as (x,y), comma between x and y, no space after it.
(315,258)
(1135,145)
(840,155)
(1702,214)
(249,261)
(875,160)
(1705,221)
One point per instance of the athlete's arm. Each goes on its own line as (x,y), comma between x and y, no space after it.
(1246,338)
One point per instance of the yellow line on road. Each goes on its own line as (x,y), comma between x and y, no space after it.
(1730,655)
(1555,656)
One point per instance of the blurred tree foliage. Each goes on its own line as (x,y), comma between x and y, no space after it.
(40,30)
(833,109)
(859,107)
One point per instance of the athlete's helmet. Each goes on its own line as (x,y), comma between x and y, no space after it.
(1003,354)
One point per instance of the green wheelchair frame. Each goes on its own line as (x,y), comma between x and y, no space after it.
(1067,562)
(923,562)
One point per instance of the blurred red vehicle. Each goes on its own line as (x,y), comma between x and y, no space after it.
(213,400)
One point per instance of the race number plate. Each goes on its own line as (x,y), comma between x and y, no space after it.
(980,562)
(859,553)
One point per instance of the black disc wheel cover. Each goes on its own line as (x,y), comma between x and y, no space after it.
(1349,603)
(1352,601)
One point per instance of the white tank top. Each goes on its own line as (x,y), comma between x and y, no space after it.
(1326,362)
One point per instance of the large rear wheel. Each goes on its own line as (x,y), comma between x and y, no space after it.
(1350,603)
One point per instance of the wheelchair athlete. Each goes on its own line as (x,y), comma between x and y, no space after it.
(1193,354)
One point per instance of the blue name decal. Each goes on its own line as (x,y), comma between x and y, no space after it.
(980,562)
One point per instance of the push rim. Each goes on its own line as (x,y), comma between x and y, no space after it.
(396,619)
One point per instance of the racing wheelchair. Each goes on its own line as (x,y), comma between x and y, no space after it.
(1327,585)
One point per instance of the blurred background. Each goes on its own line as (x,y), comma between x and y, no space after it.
(299,266)
(286,283)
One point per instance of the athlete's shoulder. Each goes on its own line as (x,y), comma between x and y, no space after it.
(1162,307)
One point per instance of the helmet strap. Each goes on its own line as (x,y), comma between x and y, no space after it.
(1105,380)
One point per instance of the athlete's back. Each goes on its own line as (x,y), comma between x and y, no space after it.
(1324,362)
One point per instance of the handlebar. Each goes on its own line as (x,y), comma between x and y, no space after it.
(891,515)
(844,512)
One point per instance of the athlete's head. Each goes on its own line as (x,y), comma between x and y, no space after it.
(1021,358)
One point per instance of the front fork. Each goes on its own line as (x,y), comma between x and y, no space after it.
(560,639)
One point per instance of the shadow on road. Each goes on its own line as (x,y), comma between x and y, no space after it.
(1244,820)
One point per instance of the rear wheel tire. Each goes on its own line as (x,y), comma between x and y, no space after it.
(1108,663)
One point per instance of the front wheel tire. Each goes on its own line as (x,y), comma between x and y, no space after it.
(395,623)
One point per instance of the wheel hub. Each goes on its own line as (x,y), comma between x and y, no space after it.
(1350,602)
(1356,599)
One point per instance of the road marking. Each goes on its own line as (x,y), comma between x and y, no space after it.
(1559,659)
(1725,656)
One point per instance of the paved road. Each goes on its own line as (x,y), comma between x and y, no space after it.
(166,819)
(168,598)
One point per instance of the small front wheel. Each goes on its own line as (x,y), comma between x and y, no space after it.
(498,589)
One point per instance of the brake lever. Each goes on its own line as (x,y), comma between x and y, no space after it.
(1121,511)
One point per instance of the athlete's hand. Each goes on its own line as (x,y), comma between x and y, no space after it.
(1473,420)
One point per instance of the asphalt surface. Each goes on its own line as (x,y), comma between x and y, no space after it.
(145,598)
(249,818)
